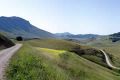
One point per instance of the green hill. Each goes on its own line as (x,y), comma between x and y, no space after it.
(83,51)
(50,59)
(112,48)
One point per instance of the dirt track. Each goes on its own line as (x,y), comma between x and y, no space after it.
(108,60)
(5,55)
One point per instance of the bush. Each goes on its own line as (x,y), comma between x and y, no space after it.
(19,38)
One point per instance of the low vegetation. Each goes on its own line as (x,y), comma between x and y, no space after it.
(84,51)
(54,44)
(37,61)
(5,42)
(112,48)
(27,65)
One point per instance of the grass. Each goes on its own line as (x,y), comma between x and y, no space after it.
(109,47)
(78,67)
(53,52)
(101,43)
(37,61)
(96,60)
(27,65)
(54,44)
(67,45)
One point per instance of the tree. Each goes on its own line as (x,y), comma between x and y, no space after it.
(19,38)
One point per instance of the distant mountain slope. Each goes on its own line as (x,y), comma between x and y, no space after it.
(5,42)
(63,34)
(67,35)
(115,37)
(15,26)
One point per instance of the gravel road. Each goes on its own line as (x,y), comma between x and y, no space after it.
(5,56)
(108,60)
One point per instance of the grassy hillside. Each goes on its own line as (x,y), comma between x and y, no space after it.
(53,44)
(113,48)
(84,51)
(5,42)
(27,64)
(50,57)
(36,63)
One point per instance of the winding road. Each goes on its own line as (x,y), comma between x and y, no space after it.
(5,55)
(108,60)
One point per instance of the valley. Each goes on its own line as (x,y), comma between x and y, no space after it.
(61,56)
(59,39)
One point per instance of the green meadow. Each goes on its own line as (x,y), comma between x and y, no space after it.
(51,60)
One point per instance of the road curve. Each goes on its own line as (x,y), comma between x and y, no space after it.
(5,55)
(108,60)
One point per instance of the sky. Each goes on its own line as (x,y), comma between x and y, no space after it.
(74,16)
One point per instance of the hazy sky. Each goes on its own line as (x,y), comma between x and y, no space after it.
(75,16)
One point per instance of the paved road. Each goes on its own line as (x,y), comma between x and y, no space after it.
(108,60)
(5,55)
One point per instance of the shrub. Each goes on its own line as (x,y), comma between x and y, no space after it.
(19,38)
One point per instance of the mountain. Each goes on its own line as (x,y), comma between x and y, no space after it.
(115,37)
(63,34)
(16,26)
(68,35)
